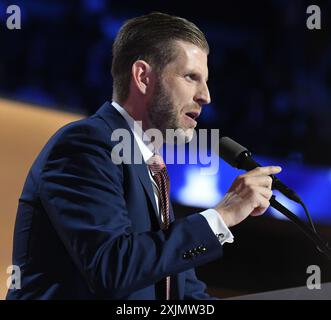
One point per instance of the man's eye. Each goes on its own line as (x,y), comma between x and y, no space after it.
(191,76)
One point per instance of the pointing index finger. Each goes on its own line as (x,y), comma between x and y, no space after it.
(267,170)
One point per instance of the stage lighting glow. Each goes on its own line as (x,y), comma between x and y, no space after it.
(199,190)
(312,184)
(292,206)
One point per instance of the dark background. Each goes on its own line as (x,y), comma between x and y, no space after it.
(270,81)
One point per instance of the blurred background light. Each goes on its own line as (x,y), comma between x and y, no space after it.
(312,183)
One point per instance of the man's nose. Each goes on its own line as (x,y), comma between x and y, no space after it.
(203,95)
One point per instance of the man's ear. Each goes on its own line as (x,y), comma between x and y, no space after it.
(141,75)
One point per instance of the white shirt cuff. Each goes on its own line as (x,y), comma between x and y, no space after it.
(218,226)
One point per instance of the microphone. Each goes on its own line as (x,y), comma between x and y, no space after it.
(239,157)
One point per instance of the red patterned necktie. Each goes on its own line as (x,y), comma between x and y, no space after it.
(161,178)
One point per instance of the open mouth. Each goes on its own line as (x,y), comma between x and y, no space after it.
(193,114)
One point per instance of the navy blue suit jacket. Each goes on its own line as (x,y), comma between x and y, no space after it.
(87,228)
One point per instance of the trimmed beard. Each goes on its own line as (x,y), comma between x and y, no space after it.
(163,116)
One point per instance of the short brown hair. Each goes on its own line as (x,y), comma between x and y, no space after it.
(150,38)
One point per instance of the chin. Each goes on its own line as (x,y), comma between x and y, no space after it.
(189,133)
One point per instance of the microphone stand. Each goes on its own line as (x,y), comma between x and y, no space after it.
(320,244)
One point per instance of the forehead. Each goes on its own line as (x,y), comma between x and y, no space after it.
(189,57)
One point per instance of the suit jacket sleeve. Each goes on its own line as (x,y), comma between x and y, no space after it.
(82,192)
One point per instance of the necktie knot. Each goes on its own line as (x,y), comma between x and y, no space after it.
(161,178)
(156,163)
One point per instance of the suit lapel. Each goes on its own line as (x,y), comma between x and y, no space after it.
(171,212)
(115,121)
(147,184)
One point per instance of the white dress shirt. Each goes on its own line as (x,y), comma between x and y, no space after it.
(213,218)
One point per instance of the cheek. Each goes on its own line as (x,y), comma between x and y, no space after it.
(179,89)
(181,103)
(180,98)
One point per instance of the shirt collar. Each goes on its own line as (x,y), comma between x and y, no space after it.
(143,140)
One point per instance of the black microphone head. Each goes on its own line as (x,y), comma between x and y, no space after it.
(230,150)
(239,157)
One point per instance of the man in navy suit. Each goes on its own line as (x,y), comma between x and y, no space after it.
(88,227)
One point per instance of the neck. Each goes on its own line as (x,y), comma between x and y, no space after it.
(139,113)
(138,110)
